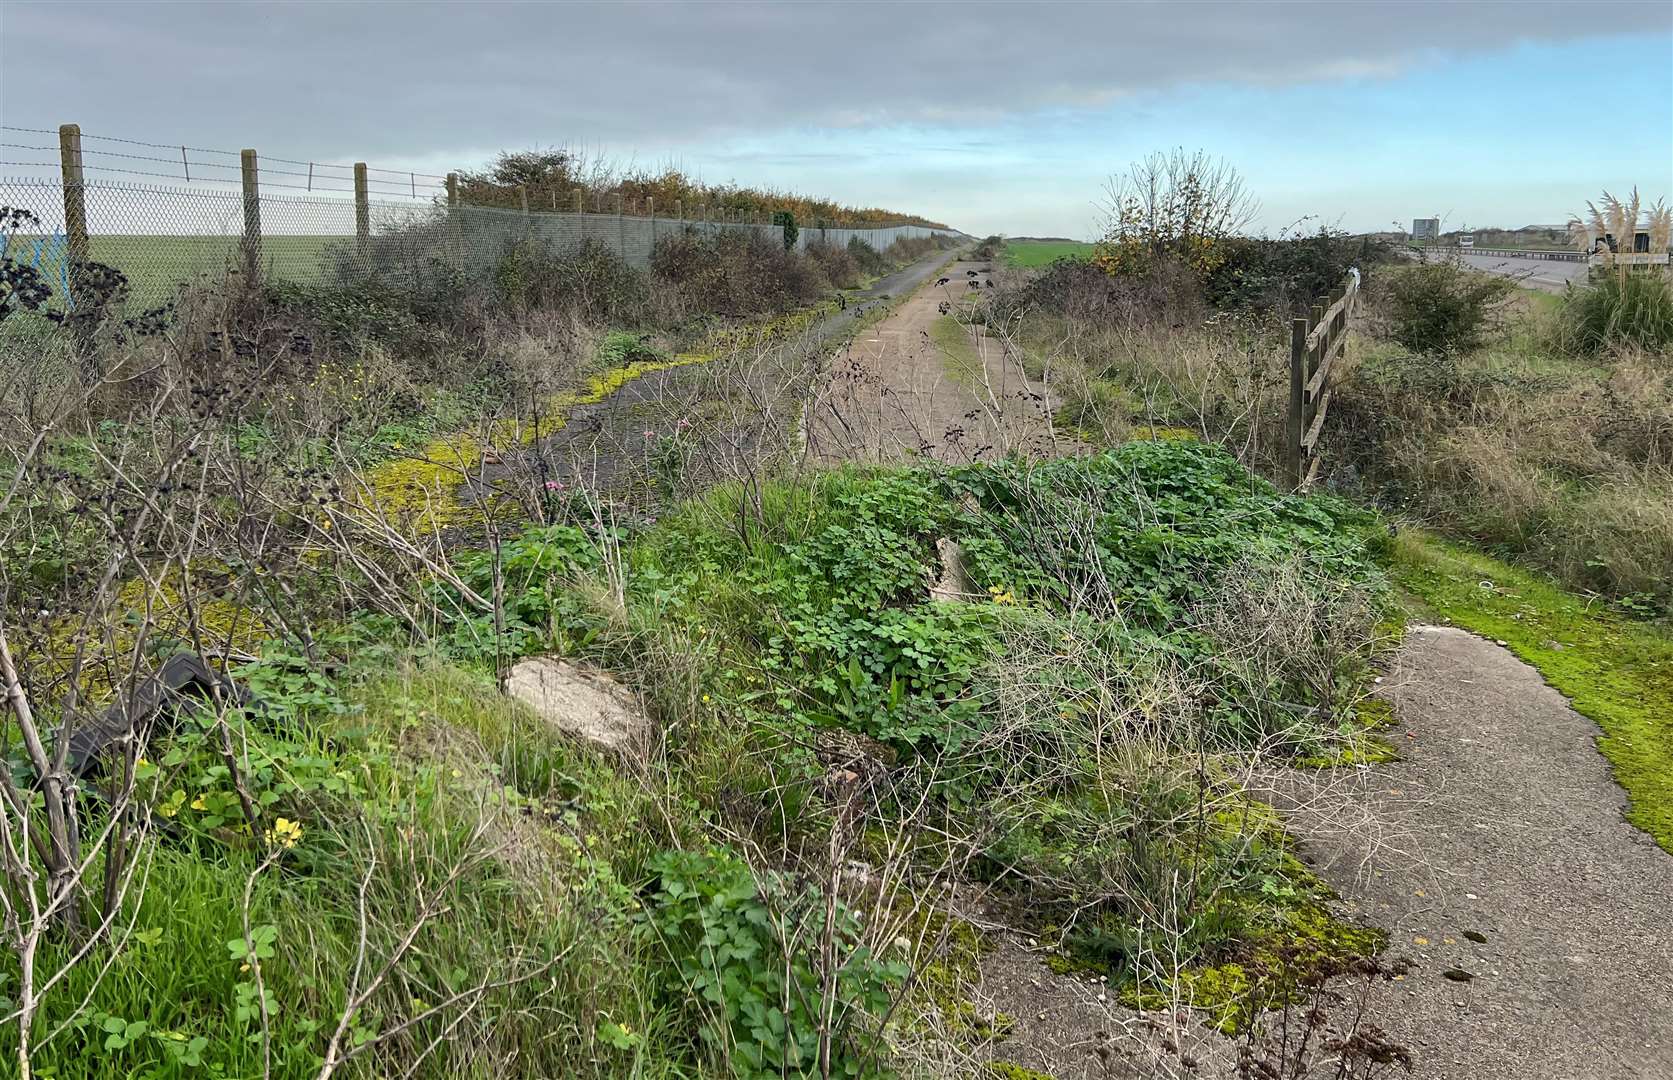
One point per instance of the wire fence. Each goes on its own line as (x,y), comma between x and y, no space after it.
(165,238)
(110,157)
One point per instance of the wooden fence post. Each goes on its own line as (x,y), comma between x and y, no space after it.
(1298,383)
(251,176)
(75,209)
(362,211)
(523,198)
(578,197)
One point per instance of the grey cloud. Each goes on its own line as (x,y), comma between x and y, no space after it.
(393,80)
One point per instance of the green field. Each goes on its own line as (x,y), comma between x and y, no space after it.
(156,265)
(1031,253)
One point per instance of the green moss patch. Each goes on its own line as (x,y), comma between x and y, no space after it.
(1258,940)
(1616,672)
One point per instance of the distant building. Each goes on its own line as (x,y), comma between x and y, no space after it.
(1426,228)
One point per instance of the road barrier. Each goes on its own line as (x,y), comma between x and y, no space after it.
(1551,254)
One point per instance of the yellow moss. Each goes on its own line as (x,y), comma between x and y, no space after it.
(1152,433)
(422,490)
(222,624)
(1006,1070)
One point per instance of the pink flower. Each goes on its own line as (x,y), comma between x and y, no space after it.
(649,434)
(554,485)
(685,422)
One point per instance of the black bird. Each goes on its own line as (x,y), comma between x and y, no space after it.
(943,281)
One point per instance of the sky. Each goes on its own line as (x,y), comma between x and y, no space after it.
(995,117)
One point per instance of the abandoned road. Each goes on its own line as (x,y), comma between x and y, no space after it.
(1546,275)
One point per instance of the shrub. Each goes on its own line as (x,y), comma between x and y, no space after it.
(1077,289)
(1278,274)
(1633,309)
(1443,307)
(866,257)
(736,274)
(837,264)
(786,221)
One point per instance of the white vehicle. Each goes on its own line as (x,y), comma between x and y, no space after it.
(1467,240)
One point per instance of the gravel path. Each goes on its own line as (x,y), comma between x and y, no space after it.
(1502,821)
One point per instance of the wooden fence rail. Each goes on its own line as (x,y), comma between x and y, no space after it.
(1317,342)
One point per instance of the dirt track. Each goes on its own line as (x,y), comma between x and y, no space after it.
(894,392)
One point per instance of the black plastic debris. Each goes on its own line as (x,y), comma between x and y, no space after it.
(183,680)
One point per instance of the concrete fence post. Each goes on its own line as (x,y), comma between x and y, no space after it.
(578,197)
(75,208)
(362,211)
(250,174)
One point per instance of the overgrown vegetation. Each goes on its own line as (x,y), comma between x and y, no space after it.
(870,691)
(564,179)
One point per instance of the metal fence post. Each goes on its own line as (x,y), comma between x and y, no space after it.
(75,208)
(1298,382)
(362,211)
(250,175)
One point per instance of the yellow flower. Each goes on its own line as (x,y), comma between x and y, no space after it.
(199,804)
(705,699)
(284,833)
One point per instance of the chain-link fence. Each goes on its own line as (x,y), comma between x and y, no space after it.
(163,238)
